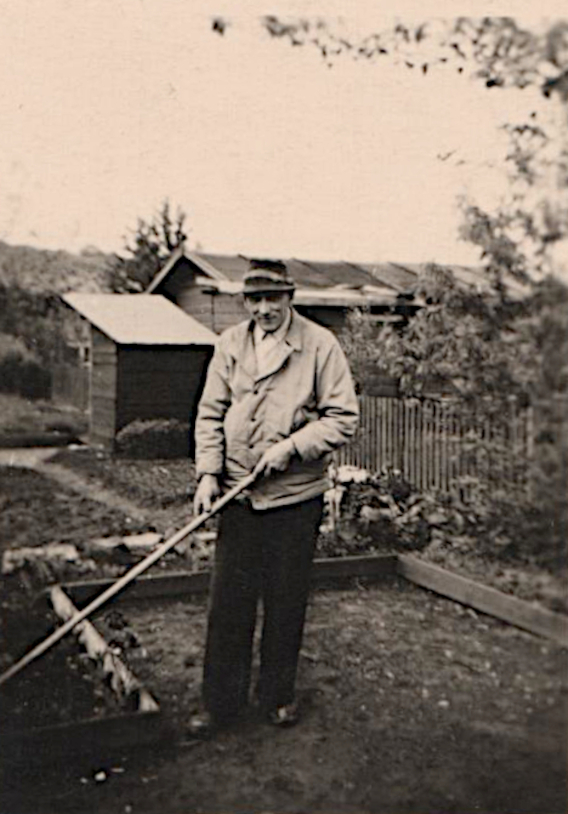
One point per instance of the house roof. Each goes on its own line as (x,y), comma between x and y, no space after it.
(400,277)
(335,296)
(140,319)
(332,284)
(386,279)
(404,276)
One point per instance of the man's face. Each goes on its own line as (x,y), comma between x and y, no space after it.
(268,310)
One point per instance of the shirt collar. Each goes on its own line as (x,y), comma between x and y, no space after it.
(279,334)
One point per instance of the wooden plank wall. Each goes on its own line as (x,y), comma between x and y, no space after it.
(424,440)
(228,310)
(332,318)
(221,311)
(70,384)
(159,382)
(103,389)
(197,304)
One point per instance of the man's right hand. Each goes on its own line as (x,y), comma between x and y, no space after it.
(207,490)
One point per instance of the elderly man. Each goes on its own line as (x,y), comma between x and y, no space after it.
(278,399)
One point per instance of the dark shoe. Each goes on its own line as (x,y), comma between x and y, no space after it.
(284,716)
(201,726)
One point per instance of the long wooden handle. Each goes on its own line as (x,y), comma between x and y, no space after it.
(125,579)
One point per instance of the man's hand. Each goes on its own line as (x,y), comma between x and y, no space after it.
(207,490)
(276,458)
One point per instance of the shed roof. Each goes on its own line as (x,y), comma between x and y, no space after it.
(335,296)
(319,276)
(399,277)
(306,273)
(140,319)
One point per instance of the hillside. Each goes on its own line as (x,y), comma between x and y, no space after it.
(41,271)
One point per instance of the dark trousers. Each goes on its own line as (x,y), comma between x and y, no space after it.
(266,554)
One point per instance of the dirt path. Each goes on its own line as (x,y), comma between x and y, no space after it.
(29,457)
(38,459)
(411,704)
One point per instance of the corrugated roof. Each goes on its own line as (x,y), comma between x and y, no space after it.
(335,296)
(232,266)
(306,273)
(341,273)
(473,276)
(401,278)
(318,275)
(140,319)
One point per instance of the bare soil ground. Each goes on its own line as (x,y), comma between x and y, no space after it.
(161,489)
(76,691)
(37,509)
(42,502)
(410,703)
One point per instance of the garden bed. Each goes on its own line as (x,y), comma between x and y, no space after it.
(36,509)
(72,698)
(410,703)
(165,488)
(153,484)
(62,686)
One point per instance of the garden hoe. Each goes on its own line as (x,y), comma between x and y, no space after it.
(127,578)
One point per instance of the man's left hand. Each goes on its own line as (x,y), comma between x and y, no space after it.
(276,458)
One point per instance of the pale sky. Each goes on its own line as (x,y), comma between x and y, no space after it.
(109,106)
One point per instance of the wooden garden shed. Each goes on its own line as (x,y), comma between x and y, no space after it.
(208,287)
(147,359)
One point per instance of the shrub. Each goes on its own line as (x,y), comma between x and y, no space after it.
(156,438)
(21,371)
(386,514)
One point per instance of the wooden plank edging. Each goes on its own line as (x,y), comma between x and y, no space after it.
(122,680)
(182,583)
(488,600)
(89,736)
(485,599)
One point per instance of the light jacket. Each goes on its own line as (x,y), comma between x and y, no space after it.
(307,395)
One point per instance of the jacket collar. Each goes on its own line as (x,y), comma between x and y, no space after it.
(294,335)
(242,348)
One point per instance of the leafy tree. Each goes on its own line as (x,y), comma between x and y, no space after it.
(151,245)
(492,357)
(494,348)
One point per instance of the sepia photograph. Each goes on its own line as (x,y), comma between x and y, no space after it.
(283,407)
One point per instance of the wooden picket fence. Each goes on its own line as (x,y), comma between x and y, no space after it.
(430,443)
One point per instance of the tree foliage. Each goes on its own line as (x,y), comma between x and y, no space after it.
(496,50)
(506,343)
(150,246)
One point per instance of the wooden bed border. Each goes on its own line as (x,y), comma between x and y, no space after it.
(147,725)
(490,601)
(142,724)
